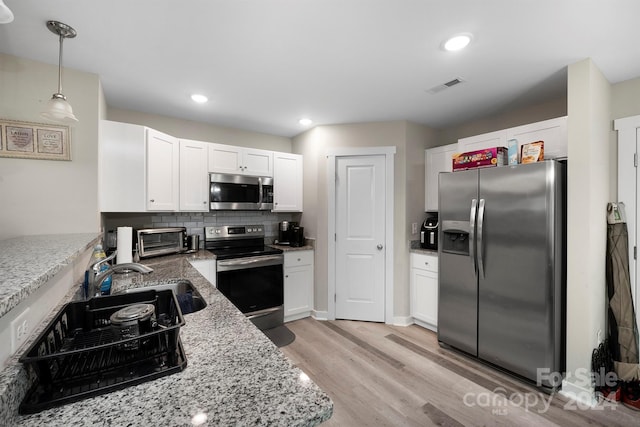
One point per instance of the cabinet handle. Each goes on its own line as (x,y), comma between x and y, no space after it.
(152,200)
(286,276)
(204,203)
(298,259)
(426,263)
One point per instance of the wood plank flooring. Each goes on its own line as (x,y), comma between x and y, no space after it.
(382,375)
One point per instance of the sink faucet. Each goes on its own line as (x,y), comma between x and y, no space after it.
(96,277)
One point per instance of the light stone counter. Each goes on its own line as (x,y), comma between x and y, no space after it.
(27,263)
(234,376)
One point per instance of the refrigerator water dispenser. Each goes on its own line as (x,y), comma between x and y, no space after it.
(456,237)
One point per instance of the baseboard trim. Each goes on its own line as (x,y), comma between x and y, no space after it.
(584,396)
(425,325)
(402,320)
(320,315)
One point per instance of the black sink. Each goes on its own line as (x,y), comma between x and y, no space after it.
(188,296)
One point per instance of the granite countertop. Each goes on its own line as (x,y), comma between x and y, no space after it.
(234,376)
(28,262)
(415,248)
(287,248)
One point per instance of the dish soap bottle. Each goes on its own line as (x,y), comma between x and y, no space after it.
(105,289)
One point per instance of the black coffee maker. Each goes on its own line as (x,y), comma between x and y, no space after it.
(429,233)
(285,232)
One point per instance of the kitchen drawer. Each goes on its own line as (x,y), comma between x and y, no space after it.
(297,258)
(424,262)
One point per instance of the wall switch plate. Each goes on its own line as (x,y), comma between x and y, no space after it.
(414,228)
(20,330)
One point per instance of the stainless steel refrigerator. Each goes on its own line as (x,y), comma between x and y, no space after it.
(502,268)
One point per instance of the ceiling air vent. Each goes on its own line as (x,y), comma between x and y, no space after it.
(446,85)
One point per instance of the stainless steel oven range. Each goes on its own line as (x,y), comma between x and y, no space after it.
(249,273)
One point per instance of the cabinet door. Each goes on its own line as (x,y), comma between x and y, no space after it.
(298,284)
(553,132)
(257,162)
(437,160)
(480,142)
(162,171)
(287,182)
(224,158)
(121,157)
(424,289)
(194,179)
(206,267)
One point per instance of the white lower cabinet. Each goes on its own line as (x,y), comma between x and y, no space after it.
(298,284)
(206,267)
(424,290)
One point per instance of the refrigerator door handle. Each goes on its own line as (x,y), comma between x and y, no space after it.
(472,234)
(480,224)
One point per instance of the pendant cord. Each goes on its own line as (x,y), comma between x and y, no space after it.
(60,66)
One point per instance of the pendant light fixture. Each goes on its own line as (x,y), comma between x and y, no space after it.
(58,109)
(6,15)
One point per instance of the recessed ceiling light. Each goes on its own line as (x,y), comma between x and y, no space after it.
(200,99)
(305,122)
(457,42)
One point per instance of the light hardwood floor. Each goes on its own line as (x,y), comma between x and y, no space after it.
(382,375)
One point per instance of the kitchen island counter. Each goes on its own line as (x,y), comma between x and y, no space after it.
(234,376)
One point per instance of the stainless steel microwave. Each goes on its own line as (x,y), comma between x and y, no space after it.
(240,192)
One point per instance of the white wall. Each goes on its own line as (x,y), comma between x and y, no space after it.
(589,125)
(187,129)
(49,196)
(534,113)
(409,139)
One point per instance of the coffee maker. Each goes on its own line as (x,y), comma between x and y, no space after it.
(429,233)
(285,232)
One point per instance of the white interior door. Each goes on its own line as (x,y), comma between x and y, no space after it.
(360,238)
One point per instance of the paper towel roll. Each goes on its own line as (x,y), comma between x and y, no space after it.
(124,245)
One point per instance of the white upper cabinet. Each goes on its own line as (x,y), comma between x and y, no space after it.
(239,160)
(121,165)
(287,182)
(194,182)
(163,153)
(480,142)
(553,132)
(438,159)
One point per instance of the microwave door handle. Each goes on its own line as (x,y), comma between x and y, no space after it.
(260,191)
(472,235)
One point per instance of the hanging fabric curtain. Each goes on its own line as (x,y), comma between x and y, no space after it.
(623,331)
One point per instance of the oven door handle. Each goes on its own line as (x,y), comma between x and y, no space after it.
(251,262)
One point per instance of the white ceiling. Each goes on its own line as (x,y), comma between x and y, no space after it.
(266,63)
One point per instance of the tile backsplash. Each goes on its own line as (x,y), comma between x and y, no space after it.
(196,221)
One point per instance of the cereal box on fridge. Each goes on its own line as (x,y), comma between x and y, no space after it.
(488,157)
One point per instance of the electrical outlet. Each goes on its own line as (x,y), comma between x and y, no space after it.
(414,228)
(20,330)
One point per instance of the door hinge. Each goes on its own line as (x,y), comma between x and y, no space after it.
(635,160)
(635,252)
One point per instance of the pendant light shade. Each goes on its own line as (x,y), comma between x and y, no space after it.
(6,15)
(58,109)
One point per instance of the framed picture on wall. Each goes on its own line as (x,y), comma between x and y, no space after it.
(28,140)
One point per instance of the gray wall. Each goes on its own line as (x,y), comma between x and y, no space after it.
(187,129)
(410,141)
(49,196)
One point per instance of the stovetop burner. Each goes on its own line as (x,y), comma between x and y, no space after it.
(237,241)
(243,252)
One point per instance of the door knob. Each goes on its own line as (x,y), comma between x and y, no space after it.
(379,246)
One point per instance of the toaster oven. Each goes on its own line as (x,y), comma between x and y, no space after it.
(161,241)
